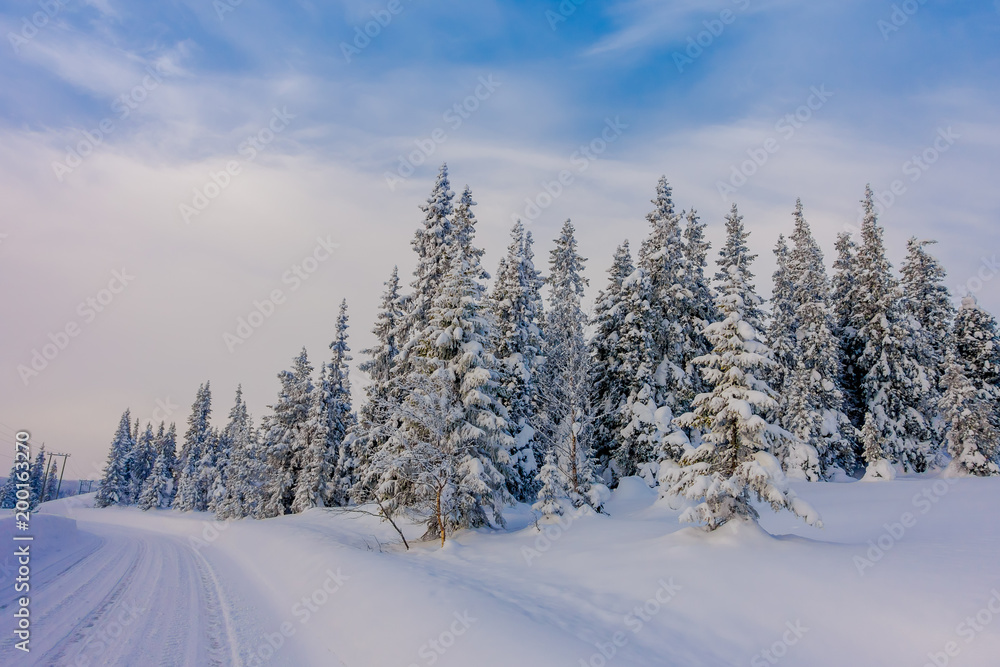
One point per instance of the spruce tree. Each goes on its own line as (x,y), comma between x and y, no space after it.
(318,455)
(895,386)
(158,489)
(115,480)
(8,492)
(51,483)
(553,488)
(189,496)
(515,306)
(284,437)
(609,385)
(449,453)
(565,393)
(37,479)
(431,243)
(225,473)
(847,322)
(927,302)
(977,349)
(812,401)
(340,417)
(781,325)
(141,460)
(972,439)
(380,366)
(697,311)
(732,463)
(640,418)
(243,493)
(663,260)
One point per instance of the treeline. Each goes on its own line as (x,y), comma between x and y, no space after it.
(482,397)
(41,487)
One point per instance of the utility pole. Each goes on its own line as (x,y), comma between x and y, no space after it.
(62,471)
(45,476)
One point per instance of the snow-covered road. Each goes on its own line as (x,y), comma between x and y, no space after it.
(121,595)
(902,573)
(104,598)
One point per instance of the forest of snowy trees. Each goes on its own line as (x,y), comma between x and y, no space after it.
(481,396)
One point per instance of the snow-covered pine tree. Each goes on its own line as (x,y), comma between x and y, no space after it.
(927,301)
(196,440)
(516,309)
(641,421)
(813,401)
(37,479)
(977,348)
(211,471)
(463,232)
(431,243)
(115,480)
(781,325)
(341,419)
(609,386)
(380,367)
(972,439)
(564,390)
(245,485)
(51,483)
(663,260)
(735,253)
(283,438)
(732,462)
(895,385)
(157,490)
(698,310)
(141,460)
(223,469)
(450,451)
(8,492)
(317,452)
(847,322)
(167,444)
(554,488)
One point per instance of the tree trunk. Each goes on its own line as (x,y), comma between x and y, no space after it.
(440,517)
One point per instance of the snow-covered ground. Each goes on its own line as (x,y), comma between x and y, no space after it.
(903,573)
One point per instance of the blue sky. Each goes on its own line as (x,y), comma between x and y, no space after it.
(897,77)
